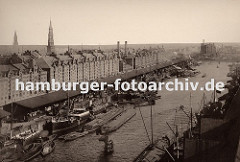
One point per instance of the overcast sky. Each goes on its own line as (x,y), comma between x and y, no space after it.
(107,21)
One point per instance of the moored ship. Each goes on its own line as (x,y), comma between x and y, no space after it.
(61,124)
(216,134)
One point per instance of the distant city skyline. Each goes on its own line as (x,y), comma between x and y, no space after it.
(94,22)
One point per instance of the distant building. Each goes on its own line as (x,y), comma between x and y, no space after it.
(208,49)
(79,66)
(14,69)
(229,50)
(72,66)
(50,47)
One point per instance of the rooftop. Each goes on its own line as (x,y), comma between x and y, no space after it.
(5,68)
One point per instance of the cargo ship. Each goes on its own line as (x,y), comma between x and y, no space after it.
(64,122)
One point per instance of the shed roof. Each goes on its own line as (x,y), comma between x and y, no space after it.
(3,113)
(46,99)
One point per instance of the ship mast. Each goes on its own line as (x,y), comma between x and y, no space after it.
(68,107)
(11,126)
(152,123)
(214,95)
(191,116)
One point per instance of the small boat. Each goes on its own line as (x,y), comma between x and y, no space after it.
(204,75)
(8,143)
(199,62)
(31,151)
(47,143)
(74,135)
(109,147)
(155,151)
(48,148)
(62,137)
(27,137)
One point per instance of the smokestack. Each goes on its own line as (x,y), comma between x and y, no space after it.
(125,48)
(203,40)
(118,48)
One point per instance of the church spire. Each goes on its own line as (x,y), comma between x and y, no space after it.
(50,26)
(50,47)
(15,41)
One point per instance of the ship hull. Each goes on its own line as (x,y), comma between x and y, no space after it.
(58,127)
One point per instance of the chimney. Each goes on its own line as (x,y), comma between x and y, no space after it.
(125,48)
(118,48)
(203,41)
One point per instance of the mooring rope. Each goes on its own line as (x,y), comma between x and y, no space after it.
(144,124)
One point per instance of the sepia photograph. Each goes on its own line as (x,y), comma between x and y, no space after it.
(120,81)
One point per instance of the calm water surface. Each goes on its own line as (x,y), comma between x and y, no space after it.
(131,138)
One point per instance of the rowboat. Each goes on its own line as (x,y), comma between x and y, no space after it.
(62,137)
(48,148)
(109,147)
(31,151)
(74,135)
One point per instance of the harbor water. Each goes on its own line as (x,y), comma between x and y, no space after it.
(132,138)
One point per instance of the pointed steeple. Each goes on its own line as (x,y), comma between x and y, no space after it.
(50,26)
(15,41)
(50,47)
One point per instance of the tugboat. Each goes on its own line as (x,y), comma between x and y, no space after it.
(108,149)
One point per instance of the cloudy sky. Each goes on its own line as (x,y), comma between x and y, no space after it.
(106,21)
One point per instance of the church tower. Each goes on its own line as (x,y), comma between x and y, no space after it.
(50,47)
(15,41)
